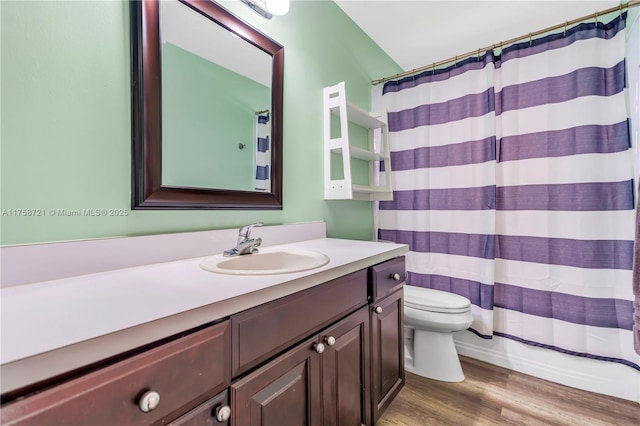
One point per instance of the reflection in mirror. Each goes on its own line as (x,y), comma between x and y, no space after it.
(216,95)
(206,109)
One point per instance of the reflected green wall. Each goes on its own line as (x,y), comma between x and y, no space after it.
(207,111)
(66,119)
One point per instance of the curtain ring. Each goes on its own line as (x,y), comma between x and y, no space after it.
(565,27)
(620,9)
(595,15)
(433,69)
(529,39)
(455,62)
(478,54)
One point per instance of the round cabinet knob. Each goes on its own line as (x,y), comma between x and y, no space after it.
(395,277)
(330,340)
(223,413)
(378,309)
(318,347)
(149,401)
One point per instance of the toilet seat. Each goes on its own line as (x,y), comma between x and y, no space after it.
(430,300)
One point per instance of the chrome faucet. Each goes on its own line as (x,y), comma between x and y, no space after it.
(245,244)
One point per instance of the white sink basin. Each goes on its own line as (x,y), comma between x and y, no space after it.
(268,261)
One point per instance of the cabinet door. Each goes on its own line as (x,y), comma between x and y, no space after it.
(387,351)
(345,371)
(285,391)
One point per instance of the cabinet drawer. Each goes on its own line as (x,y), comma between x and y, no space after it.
(180,371)
(262,332)
(387,277)
(205,413)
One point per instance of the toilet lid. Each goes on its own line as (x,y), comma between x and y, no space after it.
(427,299)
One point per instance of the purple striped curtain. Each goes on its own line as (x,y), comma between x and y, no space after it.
(633,77)
(561,203)
(442,138)
(565,221)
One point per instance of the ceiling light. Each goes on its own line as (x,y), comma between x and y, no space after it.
(268,8)
(278,7)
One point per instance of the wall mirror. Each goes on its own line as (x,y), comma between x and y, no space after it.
(206,109)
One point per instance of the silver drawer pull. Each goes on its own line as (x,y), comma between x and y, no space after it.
(330,340)
(395,277)
(149,401)
(318,347)
(223,413)
(378,309)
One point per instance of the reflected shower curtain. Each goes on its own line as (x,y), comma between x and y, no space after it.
(561,225)
(442,141)
(263,152)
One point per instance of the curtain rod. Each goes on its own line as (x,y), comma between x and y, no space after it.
(594,15)
(266,110)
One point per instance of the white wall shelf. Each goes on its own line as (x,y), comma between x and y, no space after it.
(379,184)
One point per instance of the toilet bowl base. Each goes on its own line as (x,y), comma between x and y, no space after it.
(434,356)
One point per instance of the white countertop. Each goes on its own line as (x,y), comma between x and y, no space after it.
(55,326)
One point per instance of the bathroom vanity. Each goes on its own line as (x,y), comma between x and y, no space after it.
(323,347)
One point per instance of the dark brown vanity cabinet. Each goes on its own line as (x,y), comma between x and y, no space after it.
(266,330)
(284,392)
(347,374)
(387,333)
(387,354)
(154,386)
(345,371)
(322,381)
(328,355)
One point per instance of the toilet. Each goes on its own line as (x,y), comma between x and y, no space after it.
(430,318)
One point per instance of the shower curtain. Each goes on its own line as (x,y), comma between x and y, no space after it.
(442,138)
(263,152)
(633,67)
(537,227)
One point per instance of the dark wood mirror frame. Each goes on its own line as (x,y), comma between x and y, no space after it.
(148,191)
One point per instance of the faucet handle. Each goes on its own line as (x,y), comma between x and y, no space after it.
(245,231)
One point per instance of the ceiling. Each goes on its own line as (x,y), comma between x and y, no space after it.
(184,27)
(421,32)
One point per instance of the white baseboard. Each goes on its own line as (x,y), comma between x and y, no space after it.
(587,374)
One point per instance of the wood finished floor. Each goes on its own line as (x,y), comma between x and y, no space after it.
(493,395)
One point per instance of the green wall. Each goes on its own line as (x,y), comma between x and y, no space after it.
(66,120)
(203,124)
